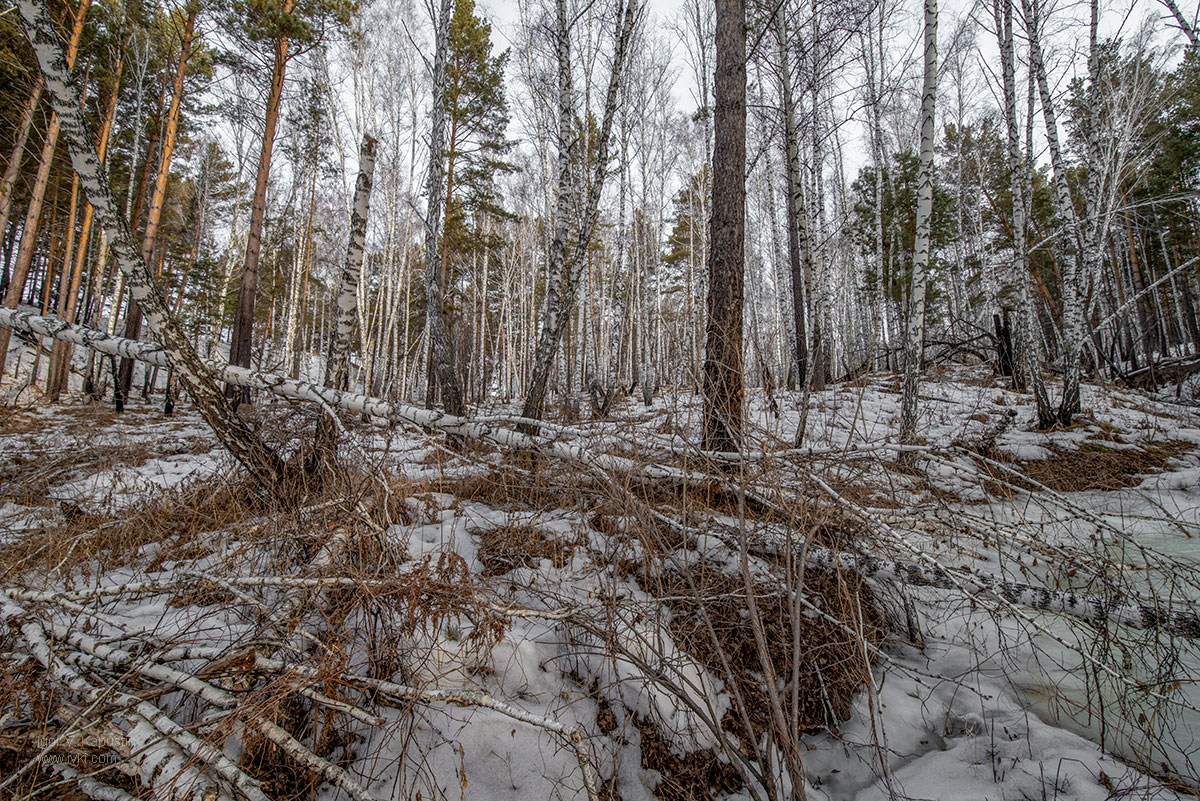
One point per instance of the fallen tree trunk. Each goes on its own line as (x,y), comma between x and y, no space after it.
(233,433)
(1164,372)
(1181,622)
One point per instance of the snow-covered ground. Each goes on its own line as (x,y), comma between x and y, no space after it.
(543,609)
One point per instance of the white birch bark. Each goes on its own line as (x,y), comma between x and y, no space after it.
(566,268)
(337,371)
(1028,343)
(1188,28)
(1068,229)
(229,429)
(916,316)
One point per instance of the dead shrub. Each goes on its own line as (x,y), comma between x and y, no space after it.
(832,668)
(504,548)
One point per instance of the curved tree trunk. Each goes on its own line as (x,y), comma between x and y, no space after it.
(263,464)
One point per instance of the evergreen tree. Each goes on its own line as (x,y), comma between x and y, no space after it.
(477,117)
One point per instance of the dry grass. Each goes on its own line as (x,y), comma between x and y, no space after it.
(1096,466)
(696,776)
(505,548)
(517,488)
(832,668)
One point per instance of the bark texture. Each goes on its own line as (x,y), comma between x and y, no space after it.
(37,196)
(566,268)
(1028,342)
(435,292)
(337,368)
(723,390)
(915,341)
(243,321)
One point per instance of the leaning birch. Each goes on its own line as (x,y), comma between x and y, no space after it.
(233,433)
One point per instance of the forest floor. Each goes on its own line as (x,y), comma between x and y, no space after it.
(482,624)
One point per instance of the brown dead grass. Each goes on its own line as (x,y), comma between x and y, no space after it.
(696,776)
(832,668)
(1096,466)
(518,488)
(504,548)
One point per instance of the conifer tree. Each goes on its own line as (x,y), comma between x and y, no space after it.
(286,28)
(475,148)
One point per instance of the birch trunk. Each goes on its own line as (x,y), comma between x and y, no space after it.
(1068,230)
(60,361)
(916,317)
(799,256)
(1188,29)
(564,269)
(263,464)
(337,372)
(1028,343)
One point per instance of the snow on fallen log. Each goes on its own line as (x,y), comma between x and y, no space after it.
(152,353)
(1181,622)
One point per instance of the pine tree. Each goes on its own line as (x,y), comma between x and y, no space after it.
(476,118)
(286,27)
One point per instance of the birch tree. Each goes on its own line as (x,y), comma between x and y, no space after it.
(1068,227)
(1028,342)
(337,367)
(914,343)
(262,463)
(564,267)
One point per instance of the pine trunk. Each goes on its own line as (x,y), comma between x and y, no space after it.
(723,388)
(33,213)
(233,434)
(243,322)
(441,357)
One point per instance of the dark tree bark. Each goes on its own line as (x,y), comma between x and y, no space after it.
(441,365)
(243,321)
(723,391)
